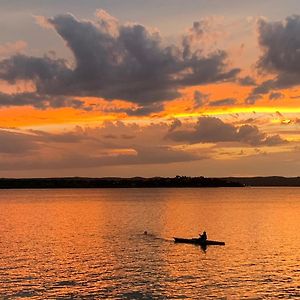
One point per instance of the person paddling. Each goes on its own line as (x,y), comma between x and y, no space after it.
(203,236)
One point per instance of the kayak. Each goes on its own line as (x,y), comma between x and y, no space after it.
(197,241)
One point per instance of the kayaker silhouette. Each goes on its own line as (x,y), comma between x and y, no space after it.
(203,236)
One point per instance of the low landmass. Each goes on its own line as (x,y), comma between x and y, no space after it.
(140,182)
(114,182)
(266,181)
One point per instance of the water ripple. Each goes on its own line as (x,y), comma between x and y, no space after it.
(90,245)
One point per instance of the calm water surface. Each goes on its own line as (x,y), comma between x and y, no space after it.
(89,244)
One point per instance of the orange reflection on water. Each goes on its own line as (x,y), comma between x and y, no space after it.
(90,243)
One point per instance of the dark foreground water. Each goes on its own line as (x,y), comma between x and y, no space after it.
(89,244)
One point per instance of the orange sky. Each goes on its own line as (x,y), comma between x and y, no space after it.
(28,116)
(247,102)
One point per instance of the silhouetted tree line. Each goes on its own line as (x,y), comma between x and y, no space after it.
(140,182)
(136,182)
(266,181)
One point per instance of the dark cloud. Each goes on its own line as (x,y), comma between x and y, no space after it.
(280,42)
(246,81)
(195,33)
(144,110)
(252,98)
(214,130)
(260,90)
(263,88)
(223,102)
(175,124)
(207,130)
(42,70)
(115,61)
(199,99)
(274,140)
(21,99)
(276,96)
(40,101)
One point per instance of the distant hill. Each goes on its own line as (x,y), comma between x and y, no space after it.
(266,181)
(114,182)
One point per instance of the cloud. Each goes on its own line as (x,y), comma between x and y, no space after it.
(125,144)
(21,99)
(44,71)
(64,138)
(214,130)
(223,102)
(274,140)
(246,81)
(200,99)
(11,48)
(74,160)
(252,98)
(144,110)
(113,144)
(276,96)
(85,149)
(195,34)
(16,143)
(263,88)
(40,101)
(280,43)
(117,61)
(175,124)
(42,21)
(260,90)
(156,155)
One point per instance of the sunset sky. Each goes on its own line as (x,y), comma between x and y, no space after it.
(149,88)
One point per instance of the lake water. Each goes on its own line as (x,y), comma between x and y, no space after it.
(89,244)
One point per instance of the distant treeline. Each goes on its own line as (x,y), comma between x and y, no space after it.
(266,181)
(136,182)
(140,182)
